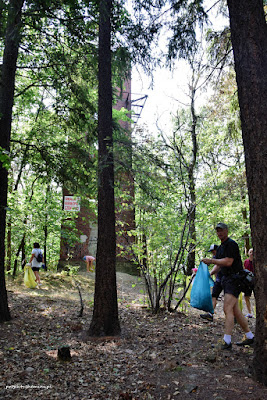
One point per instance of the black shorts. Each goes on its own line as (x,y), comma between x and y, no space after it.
(35,269)
(217,289)
(230,286)
(248,292)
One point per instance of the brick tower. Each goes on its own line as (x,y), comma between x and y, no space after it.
(86,223)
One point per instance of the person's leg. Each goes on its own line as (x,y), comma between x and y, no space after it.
(37,276)
(230,302)
(214,302)
(244,325)
(247,300)
(228,308)
(88,266)
(240,318)
(216,291)
(247,294)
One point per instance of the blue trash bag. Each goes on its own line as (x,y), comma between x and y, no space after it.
(200,293)
(211,281)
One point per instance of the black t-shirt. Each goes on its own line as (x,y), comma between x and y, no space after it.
(230,249)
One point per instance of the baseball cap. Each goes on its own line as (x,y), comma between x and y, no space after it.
(221,225)
(213,247)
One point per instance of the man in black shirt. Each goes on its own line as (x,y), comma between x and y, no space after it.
(229,262)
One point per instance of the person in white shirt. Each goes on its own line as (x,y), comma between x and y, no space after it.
(35,264)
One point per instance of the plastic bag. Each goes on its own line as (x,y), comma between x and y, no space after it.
(200,293)
(211,281)
(29,277)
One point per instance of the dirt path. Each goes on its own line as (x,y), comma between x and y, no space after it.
(168,356)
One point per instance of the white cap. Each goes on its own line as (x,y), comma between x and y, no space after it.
(213,247)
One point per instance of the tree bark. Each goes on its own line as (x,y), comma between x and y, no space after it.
(7,88)
(105,321)
(17,254)
(8,245)
(46,227)
(249,39)
(192,186)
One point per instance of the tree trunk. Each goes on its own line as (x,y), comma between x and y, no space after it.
(249,39)
(192,189)
(17,255)
(45,244)
(23,255)
(8,252)
(246,234)
(105,319)
(46,227)
(7,88)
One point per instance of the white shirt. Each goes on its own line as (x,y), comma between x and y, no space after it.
(35,263)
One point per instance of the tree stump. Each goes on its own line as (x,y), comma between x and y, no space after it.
(63,353)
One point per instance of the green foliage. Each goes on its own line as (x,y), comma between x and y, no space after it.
(70,270)
(223,180)
(54,124)
(219,50)
(162,202)
(53,143)
(185,17)
(4,158)
(30,213)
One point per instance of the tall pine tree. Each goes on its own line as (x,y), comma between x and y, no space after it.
(105,321)
(7,89)
(249,40)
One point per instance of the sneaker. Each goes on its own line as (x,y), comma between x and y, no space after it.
(246,342)
(226,346)
(249,315)
(207,316)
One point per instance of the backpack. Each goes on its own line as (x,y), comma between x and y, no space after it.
(246,280)
(39,257)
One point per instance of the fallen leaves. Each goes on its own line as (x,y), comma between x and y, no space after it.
(161,357)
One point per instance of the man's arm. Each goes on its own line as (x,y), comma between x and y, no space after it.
(215,269)
(221,262)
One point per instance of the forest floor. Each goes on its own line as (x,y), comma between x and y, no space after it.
(166,356)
